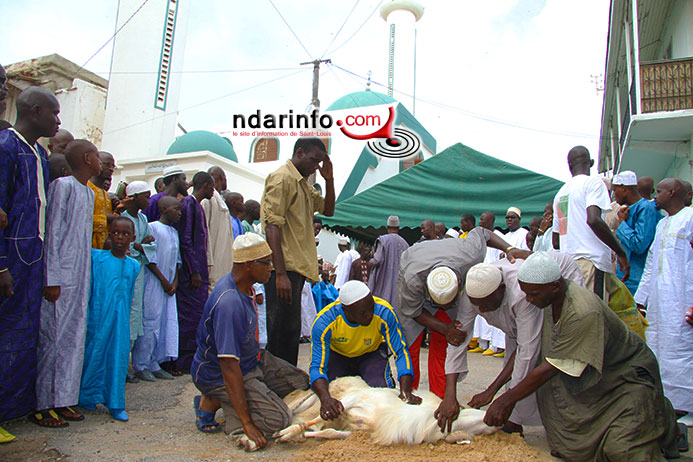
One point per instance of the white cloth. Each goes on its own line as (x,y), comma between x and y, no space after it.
(354,254)
(666,288)
(517,238)
(219,238)
(544,242)
(570,219)
(343,266)
(261,314)
(308,312)
(67,263)
(493,255)
(159,342)
(521,322)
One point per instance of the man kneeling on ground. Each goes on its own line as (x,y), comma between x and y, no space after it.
(351,337)
(598,385)
(229,368)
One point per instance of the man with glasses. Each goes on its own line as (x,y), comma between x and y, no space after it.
(229,368)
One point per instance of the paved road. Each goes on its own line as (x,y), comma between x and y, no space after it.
(161,427)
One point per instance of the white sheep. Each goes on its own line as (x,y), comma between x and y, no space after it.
(379,411)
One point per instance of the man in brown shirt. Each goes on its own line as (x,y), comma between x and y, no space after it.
(286,214)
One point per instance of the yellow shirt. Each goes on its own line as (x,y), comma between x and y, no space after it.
(102,207)
(289,203)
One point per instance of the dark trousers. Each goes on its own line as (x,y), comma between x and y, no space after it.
(372,367)
(284,319)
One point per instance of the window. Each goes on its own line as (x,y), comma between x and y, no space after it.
(265,149)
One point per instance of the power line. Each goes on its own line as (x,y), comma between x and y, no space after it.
(476,115)
(205,71)
(208,101)
(287,25)
(359,28)
(110,39)
(340,29)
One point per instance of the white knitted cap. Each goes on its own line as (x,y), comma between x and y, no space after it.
(353,291)
(136,187)
(442,284)
(539,268)
(482,280)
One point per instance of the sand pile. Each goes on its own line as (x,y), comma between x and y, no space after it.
(499,447)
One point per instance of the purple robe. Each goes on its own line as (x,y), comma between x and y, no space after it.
(152,211)
(23,185)
(192,233)
(383,278)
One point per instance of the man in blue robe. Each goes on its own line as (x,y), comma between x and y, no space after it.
(638,220)
(23,184)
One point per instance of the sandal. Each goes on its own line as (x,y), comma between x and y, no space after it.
(68,413)
(50,416)
(682,441)
(205,420)
(5,436)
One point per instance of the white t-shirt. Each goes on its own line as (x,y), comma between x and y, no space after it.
(517,238)
(570,219)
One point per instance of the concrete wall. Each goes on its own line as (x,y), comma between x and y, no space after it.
(82,110)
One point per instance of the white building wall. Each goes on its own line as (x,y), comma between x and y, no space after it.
(134,128)
(82,110)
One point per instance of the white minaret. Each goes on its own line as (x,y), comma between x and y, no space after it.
(401,17)
(144,85)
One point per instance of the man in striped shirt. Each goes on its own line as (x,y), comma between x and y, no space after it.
(352,336)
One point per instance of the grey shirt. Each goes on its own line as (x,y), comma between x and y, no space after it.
(415,264)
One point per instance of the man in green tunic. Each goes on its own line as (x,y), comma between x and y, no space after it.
(598,385)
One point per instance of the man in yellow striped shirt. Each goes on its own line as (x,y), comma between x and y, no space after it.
(352,336)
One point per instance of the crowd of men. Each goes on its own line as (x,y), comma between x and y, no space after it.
(589,305)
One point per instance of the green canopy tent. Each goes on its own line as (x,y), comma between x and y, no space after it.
(454,182)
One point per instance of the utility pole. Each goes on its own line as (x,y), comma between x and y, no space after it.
(315,102)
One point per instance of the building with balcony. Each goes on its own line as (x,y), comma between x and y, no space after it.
(647,116)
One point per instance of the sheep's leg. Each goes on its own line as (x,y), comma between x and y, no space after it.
(458,437)
(246,443)
(295,430)
(328,434)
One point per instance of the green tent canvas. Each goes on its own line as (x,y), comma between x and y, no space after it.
(454,182)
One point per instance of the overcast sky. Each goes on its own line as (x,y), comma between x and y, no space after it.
(510,78)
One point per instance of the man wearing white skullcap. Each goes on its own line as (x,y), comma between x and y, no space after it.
(343,263)
(637,223)
(597,384)
(143,249)
(352,336)
(229,368)
(493,293)
(431,276)
(516,235)
(175,185)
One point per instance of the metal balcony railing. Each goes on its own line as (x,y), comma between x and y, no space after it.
(667,85)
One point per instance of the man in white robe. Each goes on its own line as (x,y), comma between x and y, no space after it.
(497,297)
(516,235)
(219,233)
(666,289)
(63,319)
(308,312)
(343,263)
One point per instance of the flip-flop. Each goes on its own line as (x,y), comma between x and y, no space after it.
(205,418)
(6,437)
(69,409)
(37,417)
